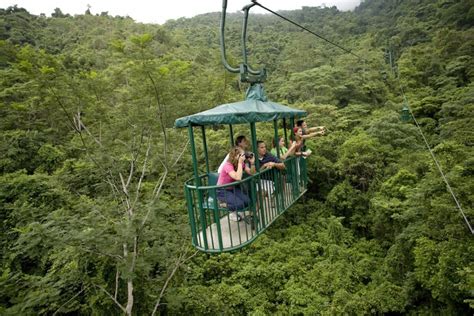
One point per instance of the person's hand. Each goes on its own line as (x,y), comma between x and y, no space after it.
(268,165)
(241,158)
(252,160)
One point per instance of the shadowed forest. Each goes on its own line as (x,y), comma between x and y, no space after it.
(92,209)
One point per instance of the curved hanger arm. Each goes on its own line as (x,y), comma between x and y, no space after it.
(223,53)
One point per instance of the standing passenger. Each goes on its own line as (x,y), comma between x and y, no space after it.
(299,143)
(284,152)
(308,132)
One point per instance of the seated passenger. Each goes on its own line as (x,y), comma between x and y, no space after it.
(232,171)
(284,152)
(241,142)
(267,161)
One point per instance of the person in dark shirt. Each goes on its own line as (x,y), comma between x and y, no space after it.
(267,160)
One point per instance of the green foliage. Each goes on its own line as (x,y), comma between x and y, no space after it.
(360,160)
(87,106)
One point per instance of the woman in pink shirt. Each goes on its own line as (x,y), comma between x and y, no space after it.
(232,171)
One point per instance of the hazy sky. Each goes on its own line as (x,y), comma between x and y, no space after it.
(158,11)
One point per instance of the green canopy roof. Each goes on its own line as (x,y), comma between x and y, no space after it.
(255,108)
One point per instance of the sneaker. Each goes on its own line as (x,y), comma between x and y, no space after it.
(233,216)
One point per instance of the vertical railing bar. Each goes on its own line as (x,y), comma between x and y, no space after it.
(228,218)
(209,220)
(278,191)
(192,219)
(198,220)
(261,201)
(285,190)
(238,223)
(217,220)
(239,229)
(253,132)
(295,179)
(267,200)
(253,204)
(244,216)
(204,144)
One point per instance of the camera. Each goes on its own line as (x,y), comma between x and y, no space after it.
(248,155)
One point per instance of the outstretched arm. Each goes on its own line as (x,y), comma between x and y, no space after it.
(316,129)
(313,134)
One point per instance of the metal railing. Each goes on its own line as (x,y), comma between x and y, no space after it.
(228,217)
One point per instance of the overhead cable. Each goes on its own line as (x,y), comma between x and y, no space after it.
(306,29)
(450,190)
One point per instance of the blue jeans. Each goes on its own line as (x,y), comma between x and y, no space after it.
(235,198)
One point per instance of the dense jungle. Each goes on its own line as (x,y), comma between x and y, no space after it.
(92,210)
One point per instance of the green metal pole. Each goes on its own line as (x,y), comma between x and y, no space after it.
(192,219)
(253,132)
(284,131)
(294,169)
(231,133)
(193,154)
(204,143)
(198,184)
(276,173)
(292,122)
(276,138)
(256,180)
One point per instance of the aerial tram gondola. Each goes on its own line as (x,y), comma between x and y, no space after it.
(212,229)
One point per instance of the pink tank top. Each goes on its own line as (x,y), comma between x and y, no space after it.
(224,177)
